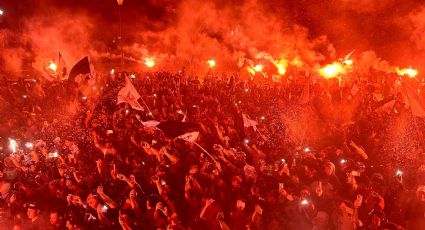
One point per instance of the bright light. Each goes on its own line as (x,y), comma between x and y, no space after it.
(29,145)
(149,62)
(53,66)
(13,145)
(211,63)
(133,76)
(332,70)
(84,98)
(407,71)
(398,173)
(112,71)
(343,161)
(262,118)
(246,141)
(180,111)
(258,68)
(1,12)
(307,149)
(281,66)
(348,62)
(304,202)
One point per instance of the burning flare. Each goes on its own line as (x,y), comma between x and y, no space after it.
(53,66)
(332,70)
(281,66)
(211,63)
(258,68)
(149,62)
(407,71)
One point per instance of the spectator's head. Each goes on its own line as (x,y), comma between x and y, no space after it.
(92,201)
(33,211)
(54,218)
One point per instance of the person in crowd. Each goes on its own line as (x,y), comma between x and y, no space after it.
(259,160)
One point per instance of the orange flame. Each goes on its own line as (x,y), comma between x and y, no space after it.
(332,70)
(149,62)
(407,71)
(281,66)
(211,63)
(258,68)
(250,70)
(53,66)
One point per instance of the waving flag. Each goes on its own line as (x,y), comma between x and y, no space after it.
(62,70)
(387,107)
(416,101)
(129,95)
(82,67)
(249,122)
(150,124)
(189,137)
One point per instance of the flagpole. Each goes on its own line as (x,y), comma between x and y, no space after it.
(205,151)
(150,112)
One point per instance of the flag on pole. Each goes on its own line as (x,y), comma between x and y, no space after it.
(249,122)
(189,137)
(62,70)
(150,124)
(416,101)
(387,107)
(82,67)
(129,95)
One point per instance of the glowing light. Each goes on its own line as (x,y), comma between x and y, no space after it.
(407,71)
(250,70)
(348,62)
(133,76)
(281,66)
(343,161)
(29,145)
(332,70)
(180,111)
(13,145)
(149,62)
(84,98)
(262,118)
(246,141)
(1,12)
(398,173)
(258,68)
(304,202)
(283,161)
(307,149)
(211,63)
(120,2)
(53,66)
(112,71)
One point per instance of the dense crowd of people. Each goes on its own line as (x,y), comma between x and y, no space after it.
(295,154)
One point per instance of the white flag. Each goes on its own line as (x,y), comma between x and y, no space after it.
(150,124)
(248,122)
(190,137)
(129,95)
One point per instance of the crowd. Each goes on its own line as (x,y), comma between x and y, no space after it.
(74,159)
